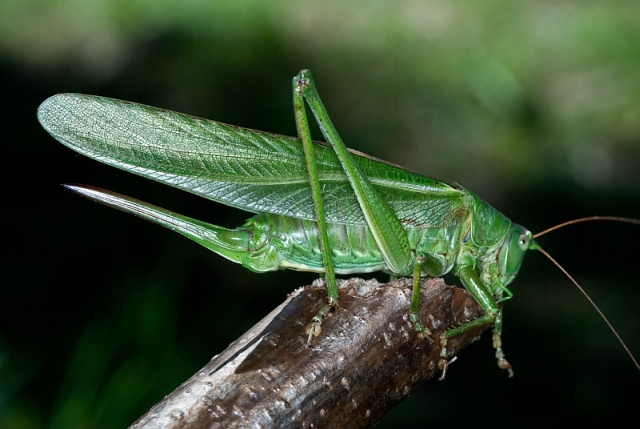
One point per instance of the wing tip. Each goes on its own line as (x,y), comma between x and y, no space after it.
(52,108)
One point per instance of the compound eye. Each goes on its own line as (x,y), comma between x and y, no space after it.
(523,242)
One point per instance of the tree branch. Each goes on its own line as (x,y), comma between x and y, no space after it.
(366,360)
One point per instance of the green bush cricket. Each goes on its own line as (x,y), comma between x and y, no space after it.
(319,207)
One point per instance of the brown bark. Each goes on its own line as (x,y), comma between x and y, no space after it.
(366,360)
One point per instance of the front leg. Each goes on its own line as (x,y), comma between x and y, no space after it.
(493,314)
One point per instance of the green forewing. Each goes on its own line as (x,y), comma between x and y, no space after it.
(247,169)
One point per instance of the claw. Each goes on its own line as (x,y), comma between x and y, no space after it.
(443,363)
(423,331)
(502,362)
(314,328)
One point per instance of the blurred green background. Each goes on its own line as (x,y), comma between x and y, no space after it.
(533,105)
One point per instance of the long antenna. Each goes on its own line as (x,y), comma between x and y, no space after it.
(587,219)
(580,287)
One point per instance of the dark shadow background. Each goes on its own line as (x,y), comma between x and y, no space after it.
(534,106)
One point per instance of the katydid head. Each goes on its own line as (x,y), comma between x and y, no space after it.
(534,246)
(512,251)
